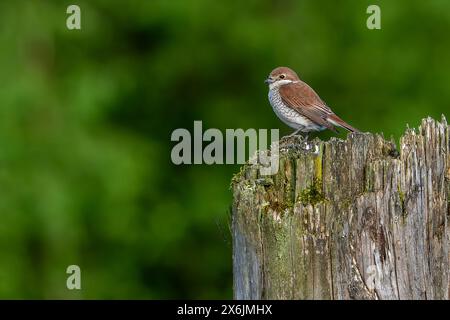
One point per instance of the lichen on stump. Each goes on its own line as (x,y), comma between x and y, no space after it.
(353,219)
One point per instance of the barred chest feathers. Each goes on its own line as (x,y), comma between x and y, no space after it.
(289,116)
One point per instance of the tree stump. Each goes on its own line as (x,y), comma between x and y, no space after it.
(353,219)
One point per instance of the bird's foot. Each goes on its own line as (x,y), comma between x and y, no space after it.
(296,132)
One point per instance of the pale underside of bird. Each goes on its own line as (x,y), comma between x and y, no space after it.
(299,106)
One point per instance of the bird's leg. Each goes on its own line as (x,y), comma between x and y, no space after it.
(294,133)
(306,136)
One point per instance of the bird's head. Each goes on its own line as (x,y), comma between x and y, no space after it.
(281,76)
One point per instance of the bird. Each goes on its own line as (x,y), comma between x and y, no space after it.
(299,106)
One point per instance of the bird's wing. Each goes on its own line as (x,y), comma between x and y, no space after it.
(334,119)
(303,99)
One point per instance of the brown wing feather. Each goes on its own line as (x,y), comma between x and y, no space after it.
(306,101)
(342,123)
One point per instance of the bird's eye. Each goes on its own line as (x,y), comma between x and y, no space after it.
(282,76)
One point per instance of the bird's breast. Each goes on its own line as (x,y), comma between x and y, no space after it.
(288,115)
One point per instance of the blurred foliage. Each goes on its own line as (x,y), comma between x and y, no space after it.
(86,118)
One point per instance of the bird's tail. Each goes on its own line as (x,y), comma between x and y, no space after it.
(334,119)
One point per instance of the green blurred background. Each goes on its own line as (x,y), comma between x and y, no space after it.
(86,118)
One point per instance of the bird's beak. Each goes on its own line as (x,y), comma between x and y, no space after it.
(268,81)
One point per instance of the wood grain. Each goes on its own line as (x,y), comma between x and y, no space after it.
(353,219)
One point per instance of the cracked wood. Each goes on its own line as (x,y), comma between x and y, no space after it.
(353,219)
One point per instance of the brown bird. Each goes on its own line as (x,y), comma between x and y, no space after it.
(298,105)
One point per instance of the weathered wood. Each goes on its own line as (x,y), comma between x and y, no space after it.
(353,219)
